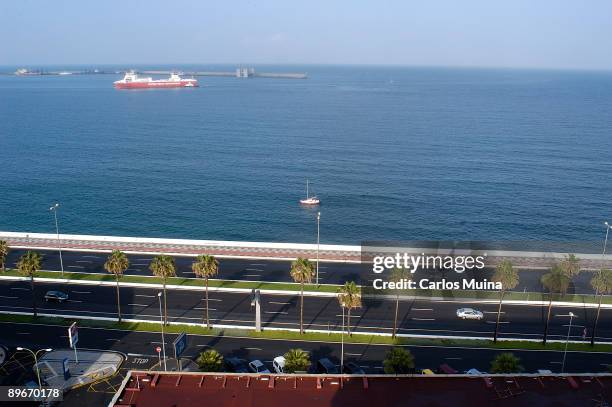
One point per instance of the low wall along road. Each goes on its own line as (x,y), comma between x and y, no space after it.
(269,250)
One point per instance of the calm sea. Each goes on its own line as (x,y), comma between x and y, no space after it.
(393,153)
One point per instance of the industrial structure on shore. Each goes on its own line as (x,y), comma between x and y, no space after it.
(240,72)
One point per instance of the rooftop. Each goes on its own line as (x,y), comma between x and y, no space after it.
(225,389)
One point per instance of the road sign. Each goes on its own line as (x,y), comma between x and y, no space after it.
(66,369)
(73,334)
(179,344)
(158,349)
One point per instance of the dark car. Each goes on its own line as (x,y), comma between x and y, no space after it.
(56,296)
(236,365)
(353,368)
(326,366)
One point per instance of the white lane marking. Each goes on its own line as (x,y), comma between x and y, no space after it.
(188,272)
(252,348)
(453,358)
(140,264)
(555,363)
(258,264)
(76,267)
(492,312)
(91,257)
(252,275)
(84,261)
(20,288)
(501,322)
(212,299)
(423,319)
(75,301)
(143,260)
(280,303)
(346,315)
(574,326)
(8,297)
(145,295)
(23,333)
(81,292)
(275,312)
(352,354)
(139,305)
(112,339)
(133,270)
(203,346)
(203,308)
(422,309)
(253,269)
(157,343)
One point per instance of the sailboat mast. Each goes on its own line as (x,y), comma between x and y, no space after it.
(306,189)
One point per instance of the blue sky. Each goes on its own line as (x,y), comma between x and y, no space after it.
(512,33)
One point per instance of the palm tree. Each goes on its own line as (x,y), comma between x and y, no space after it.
(302,271)
(349,297)
(509,278)
(397,275)
(570,265)
(506,362)
(398,361)
(116,263)
(28,265)
(556,281)
(205,266)
(602,283)
(4,249)
(210,361)
(163,266)
(296,360)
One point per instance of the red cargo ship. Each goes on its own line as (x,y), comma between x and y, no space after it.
(132,81)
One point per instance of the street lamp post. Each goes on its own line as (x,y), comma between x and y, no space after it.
(318,222)
(342,344)
(35,354)
(572,316)
(603,262)
(161,320)
(59,247)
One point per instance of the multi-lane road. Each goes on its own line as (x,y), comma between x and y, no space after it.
(275,270)
(420,317)
(140,348)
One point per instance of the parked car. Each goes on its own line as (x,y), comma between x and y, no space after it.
(257,366)
(353,368)
(279,364)
(326,366)
(469,313)
(475,372)
(236,365)
(427,372)
(56,296)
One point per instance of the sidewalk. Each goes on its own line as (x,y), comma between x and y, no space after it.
(92,367)
(273,250)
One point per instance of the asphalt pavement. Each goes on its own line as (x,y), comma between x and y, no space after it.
(421,317)
(140,349)
(277,270)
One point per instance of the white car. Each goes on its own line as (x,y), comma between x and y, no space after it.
(257,366)
(469,313)
(279,364)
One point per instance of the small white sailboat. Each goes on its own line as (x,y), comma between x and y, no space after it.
(310,200)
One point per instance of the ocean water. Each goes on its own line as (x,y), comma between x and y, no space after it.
(393,153)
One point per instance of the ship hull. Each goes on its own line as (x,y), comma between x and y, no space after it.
(156,85)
